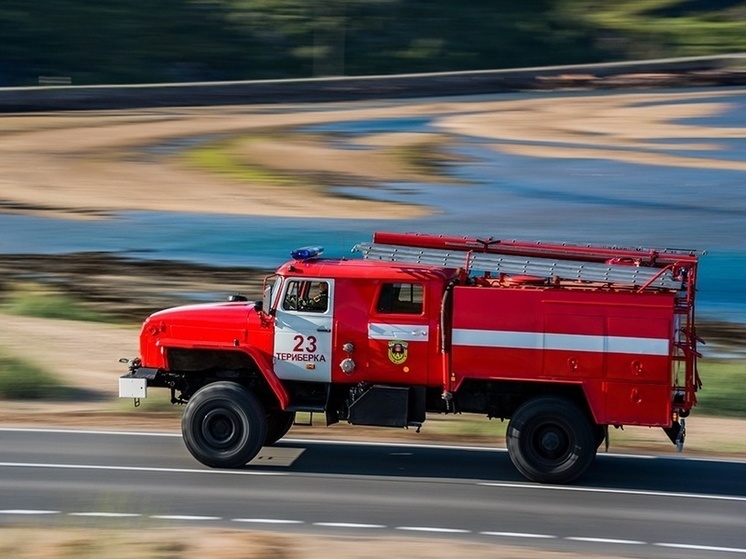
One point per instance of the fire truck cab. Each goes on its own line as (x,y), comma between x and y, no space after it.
(562,340)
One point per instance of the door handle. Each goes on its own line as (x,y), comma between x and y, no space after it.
(323,329)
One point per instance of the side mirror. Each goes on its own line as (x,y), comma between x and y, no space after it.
(258,306)
(267,296)
(271,285)
(236,297)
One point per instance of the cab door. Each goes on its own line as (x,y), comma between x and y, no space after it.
(399,334)
(303,330)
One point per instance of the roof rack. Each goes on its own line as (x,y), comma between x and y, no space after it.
(639,268)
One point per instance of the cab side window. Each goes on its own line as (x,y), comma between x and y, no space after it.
(306,296)
(400,298)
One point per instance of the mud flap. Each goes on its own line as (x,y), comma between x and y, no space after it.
(677,433)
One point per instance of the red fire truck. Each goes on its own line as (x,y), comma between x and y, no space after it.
(563,340)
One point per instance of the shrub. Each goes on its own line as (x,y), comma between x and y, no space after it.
(22,380)
(31,300)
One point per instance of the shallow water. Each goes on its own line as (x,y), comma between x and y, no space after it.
(491,194)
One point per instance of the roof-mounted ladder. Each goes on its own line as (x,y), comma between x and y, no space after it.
(573,270)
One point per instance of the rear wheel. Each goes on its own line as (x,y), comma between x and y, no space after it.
(550,440)
(278,425)
(224,425)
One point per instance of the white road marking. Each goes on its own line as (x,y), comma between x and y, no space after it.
(702,547)
(27,511)
(265,473)
(605,540)
(266,521)
(518,535)
(184,517)
(336,442)
(352,525)
(433,529)
(347,525)
(106,514)
(90,432)
(284,440)
(138,469)
(615,491)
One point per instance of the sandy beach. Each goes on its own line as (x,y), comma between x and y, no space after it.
(84,165)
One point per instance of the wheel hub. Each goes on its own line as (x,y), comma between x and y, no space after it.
(551,443)
(219,428)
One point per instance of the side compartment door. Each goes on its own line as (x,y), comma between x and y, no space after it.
(303,330)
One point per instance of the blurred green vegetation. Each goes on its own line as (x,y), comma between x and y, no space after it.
(231,157)
(724,390)
(128,41)
(651,28)
(30,299)
(219,157)
(21,379)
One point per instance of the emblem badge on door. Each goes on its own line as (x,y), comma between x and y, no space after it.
(398,351)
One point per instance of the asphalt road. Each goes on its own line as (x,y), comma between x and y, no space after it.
(626,505)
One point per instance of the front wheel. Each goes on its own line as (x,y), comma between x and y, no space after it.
(550,440)
(278,425)
(224,425)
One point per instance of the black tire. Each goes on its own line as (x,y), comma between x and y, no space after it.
(224,425)
(278,425)
(600,433)
(550,440)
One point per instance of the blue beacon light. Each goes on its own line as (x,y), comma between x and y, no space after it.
(304,253)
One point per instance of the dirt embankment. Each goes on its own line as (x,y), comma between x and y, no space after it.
(124,288)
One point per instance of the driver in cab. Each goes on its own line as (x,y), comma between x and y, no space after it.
(320,301)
